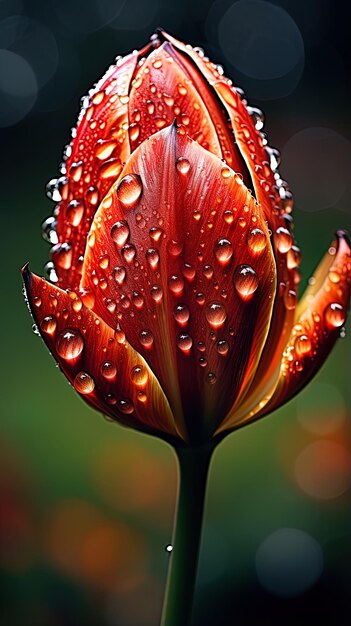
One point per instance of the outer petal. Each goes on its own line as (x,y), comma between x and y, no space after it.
(102,366)
(179,255)
(99,147)
(273,195)
(321,313)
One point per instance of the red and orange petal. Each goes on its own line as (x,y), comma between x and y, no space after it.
(179,255)
(255,158)
(105,370)
(99,148)
(319,319)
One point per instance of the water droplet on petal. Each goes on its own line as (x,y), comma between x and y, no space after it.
(129,252)
(182,165)
(181,314)
(334,315)
(156,293)
(303,345)
(184,342)
(152,257)
(62,255)
(49,324)
(223,250)
(48,229)
(257,240)
(176,284)
(155,233)
(125,406)
(84,383)
(139,375)
(146,338)
(129,190)
(119,274)
(283,239)
(290,299)
(293,257)
(175,248)
(222,347)
(245,281)
(228,216)
(215,314)
(108,370)
(74,212)
(69,344)
(120,232)
(211,378)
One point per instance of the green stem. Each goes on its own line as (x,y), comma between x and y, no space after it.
(193,470)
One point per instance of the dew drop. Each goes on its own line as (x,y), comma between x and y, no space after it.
(334,315)
(293,257)
(184,342)
(49,324)
(155,233)
(104,149)
(181,314)
(156,293)
(48,230)
(69,344)
(302,345)
(223,250)
(152,256)
(126,406)
(188,271)
(62,255)
(222,347)
(108,370)
(226,172)
(84,383)
(334,276)
(228,216)
(176,284)
(283,239)
(129,252)
(74,212)
(120,232)
(257,240)
(215,314)
(146,338)
(175,248)
(182,165)
(211,378)
(129,190)
(139,375)
(208,271)
(290,299)
(138,300)
(119,274)
(245,281)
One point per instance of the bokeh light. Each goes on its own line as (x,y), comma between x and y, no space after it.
(18,88)
(323,469)
(288,562)
(321,410)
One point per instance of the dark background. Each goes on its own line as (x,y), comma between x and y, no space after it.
(87,507)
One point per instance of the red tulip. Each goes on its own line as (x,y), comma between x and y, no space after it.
(175,308)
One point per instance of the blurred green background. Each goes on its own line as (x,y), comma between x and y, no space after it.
(87,506)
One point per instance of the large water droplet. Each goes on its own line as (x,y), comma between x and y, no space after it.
(120,233)
(156,293)
(125,406)
(69,344)
(129,252)
(223,250)
(119,274)
(245,281)
(222,347)
(129,190)
(293,257)
(257,240)
(84,383)
(334,315)
(108,370)
(283,239)
(215,314)
(62,255)
(290,299)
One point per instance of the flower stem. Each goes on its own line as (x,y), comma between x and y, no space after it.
(193,471)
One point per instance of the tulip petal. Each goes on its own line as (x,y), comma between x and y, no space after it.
(179,255)
(166,88)
(319,317)
(261,163)
(98,149)
(106,371)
